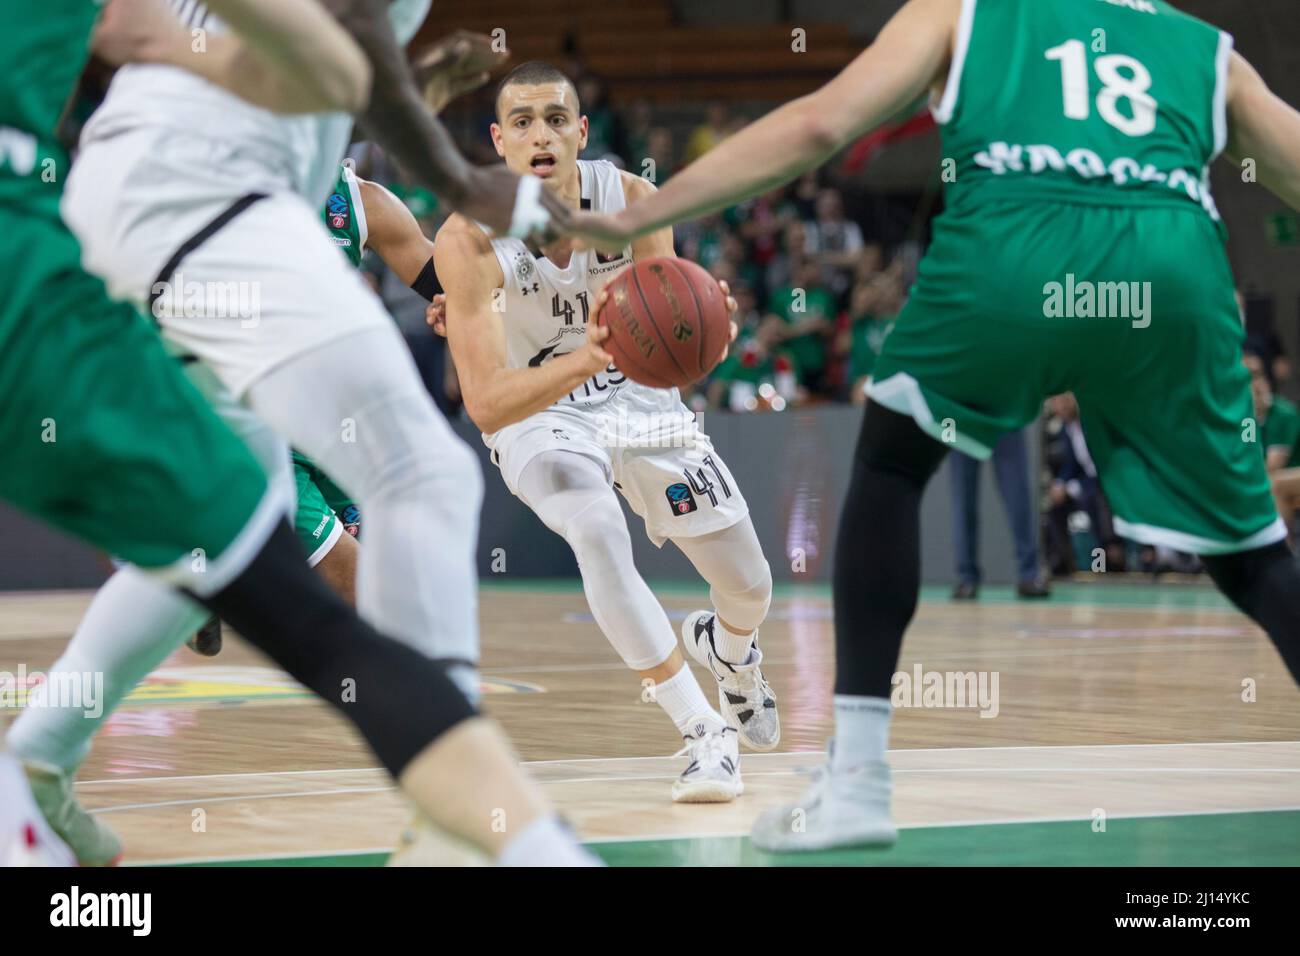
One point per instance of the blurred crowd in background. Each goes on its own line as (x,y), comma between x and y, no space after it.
(818,289)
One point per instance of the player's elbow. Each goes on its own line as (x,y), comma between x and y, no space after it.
(482,412)
(819,129)
(348,87)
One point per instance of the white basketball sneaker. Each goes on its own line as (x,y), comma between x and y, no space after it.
(92,841)
(841,809)
(744,697)
(25,837)
(713,773)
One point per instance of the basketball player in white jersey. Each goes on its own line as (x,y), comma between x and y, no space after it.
(566,428)
(184,192)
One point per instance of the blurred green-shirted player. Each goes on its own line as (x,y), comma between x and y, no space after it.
(1081,251)
(325,510)
(100,434)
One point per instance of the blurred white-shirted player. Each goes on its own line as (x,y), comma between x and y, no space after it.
(186,195)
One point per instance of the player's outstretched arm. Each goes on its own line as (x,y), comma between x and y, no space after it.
(653,244)
(905,59)
(496,396)
(393,232)
(290,56)
(1263,128)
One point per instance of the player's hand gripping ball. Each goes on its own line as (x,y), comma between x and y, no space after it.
(669,322)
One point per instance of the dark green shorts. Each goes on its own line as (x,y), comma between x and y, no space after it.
(101,435)
(999,319)
(325,511)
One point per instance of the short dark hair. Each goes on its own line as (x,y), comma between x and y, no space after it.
(531,73)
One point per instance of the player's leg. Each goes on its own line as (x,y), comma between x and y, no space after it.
(953,374)
(376,431)
(128,456)
(685,493)
(133,623)
(1011,468)
(330,545)
(965,478)
(571,493)
(725,639)
(330,548)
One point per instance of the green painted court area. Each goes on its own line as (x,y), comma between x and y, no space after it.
(1268,838)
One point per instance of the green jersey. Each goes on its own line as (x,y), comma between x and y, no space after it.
(794,305)
(1281,429)
(345,215)
(43,55)
(1101,101)
(1080,251)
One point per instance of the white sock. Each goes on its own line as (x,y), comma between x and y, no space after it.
(861,731)
(132,624)
(545,843)
(684,703)
(732,648)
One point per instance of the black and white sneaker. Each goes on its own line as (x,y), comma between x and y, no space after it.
(712,774)
(744,697)
(206,641)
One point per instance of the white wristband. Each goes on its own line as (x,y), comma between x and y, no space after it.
(529,214)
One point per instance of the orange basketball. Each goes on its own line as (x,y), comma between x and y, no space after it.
(668,322)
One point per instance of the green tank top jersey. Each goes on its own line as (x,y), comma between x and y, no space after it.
(43,55)
(345,215)
(1100,101)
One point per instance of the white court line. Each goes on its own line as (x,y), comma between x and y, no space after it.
(241,797)
(750,774)
(763,757)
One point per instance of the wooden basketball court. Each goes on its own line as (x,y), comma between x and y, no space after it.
(1131,724)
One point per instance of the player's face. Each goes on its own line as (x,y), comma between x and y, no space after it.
(539,129)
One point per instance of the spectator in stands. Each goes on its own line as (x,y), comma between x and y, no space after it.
(603,126)
(749,363)
(708,134)
(874,303)
(790,257)
(760,223)
(1277,429)
(801,318)
(834,240)
(1011,466)
(636,128)
(659,150)
(1074,487)
(1277,420)
(803,193)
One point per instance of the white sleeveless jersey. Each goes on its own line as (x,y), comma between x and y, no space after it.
(300,153)
(547,308)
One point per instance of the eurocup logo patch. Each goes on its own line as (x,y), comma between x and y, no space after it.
(680,498)
(336,209)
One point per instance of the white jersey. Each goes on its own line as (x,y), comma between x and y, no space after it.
(300,153)
(547,307)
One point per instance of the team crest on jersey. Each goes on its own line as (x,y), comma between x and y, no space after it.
(338,211)
(680,498)
(524,267)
